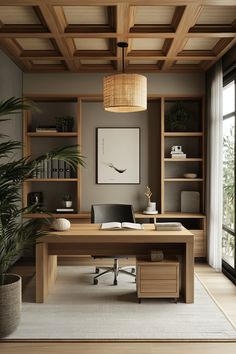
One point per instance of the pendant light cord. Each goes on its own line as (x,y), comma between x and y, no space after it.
(123,60)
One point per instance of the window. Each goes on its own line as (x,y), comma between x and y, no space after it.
(229,210)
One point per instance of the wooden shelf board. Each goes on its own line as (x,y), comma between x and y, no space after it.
(180,215)
(183,179)
(183,134)
(51,134)
(52,180)
(187,159)
(58,215)
(138,215)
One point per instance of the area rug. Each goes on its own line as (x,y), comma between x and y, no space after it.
(77,309)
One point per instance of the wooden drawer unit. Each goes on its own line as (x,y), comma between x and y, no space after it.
(157,279)
(199,243)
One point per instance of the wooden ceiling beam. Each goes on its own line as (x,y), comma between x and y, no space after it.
(226,48)
(48,12)
(188,19)
(13,51)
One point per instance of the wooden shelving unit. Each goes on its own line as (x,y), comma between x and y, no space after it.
(50,135)
(37,143)
(170,182)
(173,169)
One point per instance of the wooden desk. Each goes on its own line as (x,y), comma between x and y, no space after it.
(84,239)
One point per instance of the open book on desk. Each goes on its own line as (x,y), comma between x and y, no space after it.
(121,225)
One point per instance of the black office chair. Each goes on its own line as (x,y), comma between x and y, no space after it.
(101,213)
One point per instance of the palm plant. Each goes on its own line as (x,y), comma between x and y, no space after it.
(15,234)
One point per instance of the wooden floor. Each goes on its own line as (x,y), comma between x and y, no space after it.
(221,288)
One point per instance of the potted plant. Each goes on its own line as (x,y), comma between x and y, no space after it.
(179,119)
(67,201)
(64,123)
(15,234)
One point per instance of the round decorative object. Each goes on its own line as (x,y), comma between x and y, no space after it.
(61,224)
(190,175)
(150,212)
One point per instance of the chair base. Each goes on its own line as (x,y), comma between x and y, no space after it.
(116,270)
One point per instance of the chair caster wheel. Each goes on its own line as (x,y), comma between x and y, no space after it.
(95,281)
(133,270)
(115,282)
(97,270)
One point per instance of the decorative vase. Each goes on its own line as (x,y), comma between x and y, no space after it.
(61,224)
(67,203)
(151,206)
(10,304)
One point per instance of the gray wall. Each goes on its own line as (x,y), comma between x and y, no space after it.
(10,85)
(94,116)
(163,83)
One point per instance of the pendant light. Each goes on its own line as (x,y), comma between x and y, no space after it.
(125,92)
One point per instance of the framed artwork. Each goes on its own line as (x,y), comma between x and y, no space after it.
(118,155)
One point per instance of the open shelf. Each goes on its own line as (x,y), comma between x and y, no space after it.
(187,159)
(52,180)
(183,134)
(57,215)
(50,134)
(183,179)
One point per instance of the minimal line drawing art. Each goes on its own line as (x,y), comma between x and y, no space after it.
(115,168)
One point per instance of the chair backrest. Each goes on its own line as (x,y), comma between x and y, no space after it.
(111,212)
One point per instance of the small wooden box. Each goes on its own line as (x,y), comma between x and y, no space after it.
(157,279)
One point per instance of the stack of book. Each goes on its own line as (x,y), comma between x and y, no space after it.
(54,169)
(178,155)
(46,129)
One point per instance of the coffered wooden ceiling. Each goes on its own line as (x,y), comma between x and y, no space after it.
(81,36)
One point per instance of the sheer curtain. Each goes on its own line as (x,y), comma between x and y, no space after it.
(214,164)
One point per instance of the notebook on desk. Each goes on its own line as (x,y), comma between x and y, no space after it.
(119,226)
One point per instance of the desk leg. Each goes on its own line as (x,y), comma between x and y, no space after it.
(46,270)
(188,276)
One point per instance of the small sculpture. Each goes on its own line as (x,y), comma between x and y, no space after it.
(148,194)
(151,206)
(61,224)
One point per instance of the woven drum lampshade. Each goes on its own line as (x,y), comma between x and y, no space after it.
(125,93)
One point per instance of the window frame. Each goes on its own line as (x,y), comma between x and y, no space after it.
(227,269)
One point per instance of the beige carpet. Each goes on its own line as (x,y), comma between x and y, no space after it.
(76,309)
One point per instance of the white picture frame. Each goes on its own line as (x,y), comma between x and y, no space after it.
(118,156)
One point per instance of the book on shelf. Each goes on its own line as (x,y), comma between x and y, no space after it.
(67,170)
(61,169)
(49,168)
(54,168)
(178,156)
(118,225)
(168,226)
(65,210)
(46,129)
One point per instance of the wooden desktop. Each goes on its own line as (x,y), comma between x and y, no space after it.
(84,239)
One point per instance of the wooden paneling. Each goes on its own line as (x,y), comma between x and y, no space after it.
(163,31)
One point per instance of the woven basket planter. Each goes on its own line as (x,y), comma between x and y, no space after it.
(10,304)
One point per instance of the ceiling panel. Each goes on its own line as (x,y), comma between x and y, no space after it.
(201,43)
(217,15)
(86,15)
(35,44)
(147,44)
(18,15)
(91,44)
(153,15)
(78,36)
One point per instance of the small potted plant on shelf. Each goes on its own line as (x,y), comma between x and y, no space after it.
(179,119)
(15,234)
(67,201)
(64,123)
